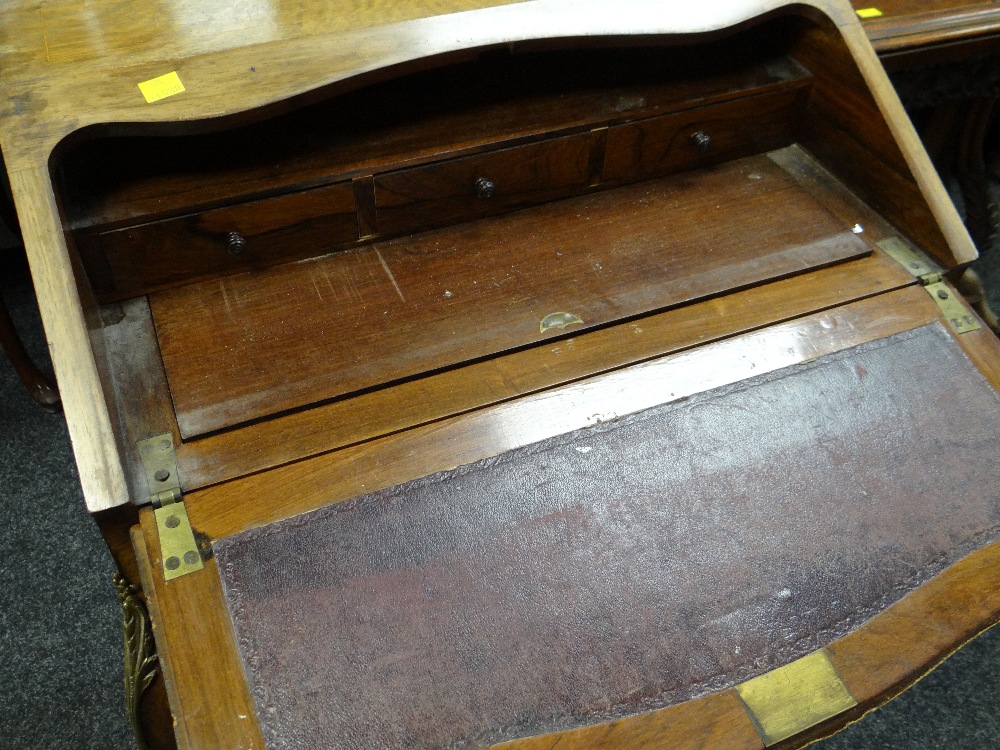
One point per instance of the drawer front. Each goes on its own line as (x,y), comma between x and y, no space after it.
(706,135)
(162,254)
(476,186)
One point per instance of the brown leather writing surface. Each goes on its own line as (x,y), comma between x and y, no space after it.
(623,567)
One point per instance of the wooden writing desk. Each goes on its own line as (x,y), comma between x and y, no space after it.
(944,59)
(933,28)
(550,372)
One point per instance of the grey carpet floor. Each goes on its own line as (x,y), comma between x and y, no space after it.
(60,623)
(60,631)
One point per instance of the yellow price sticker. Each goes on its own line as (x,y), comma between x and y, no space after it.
(161,87)
(869,13)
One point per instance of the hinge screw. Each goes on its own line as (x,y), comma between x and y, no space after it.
(942,294)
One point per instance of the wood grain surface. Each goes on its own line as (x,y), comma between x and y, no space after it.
(254,500)
(72,327)
(73,64)
(365,318)
(242,79)
(753,110)
(270,443)
(203,673)
(496,98)
(715,721)
(225,509)
(661,145)
(913,24)
(86,34)
(84,85)
(446,193)
(162,254)
(139,385)
(879,157)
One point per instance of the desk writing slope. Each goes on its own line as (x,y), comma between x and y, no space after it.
(628,566)
(607,295)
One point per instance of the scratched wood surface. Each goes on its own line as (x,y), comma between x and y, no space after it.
(232,506)
(863,658)
(268,443)
(85,85)
(361,319)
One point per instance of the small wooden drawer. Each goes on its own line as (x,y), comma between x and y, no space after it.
(144,258)
(702,136)
(476,186)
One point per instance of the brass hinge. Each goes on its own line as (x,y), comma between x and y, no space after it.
(954,310)
(178,548)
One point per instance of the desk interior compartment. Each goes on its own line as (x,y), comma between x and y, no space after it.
(248,346)
(393,229)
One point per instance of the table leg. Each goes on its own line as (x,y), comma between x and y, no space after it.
(39,387)
(982,213)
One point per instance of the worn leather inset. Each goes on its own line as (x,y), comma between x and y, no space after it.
(622,567)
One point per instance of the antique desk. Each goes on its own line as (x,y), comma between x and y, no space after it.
(467,374)
(944,60)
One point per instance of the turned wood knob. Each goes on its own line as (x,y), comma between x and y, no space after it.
(236,243)
(701,140)
(485,188)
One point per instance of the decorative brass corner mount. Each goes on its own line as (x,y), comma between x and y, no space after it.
(140,657)
(790,699)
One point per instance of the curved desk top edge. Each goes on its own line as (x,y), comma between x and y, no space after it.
(237,80)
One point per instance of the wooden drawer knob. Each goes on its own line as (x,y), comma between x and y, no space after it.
(485,188)
(701,140)
(236,243)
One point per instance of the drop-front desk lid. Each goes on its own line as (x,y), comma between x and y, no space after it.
(665,552)
(556,374)
(621,561)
